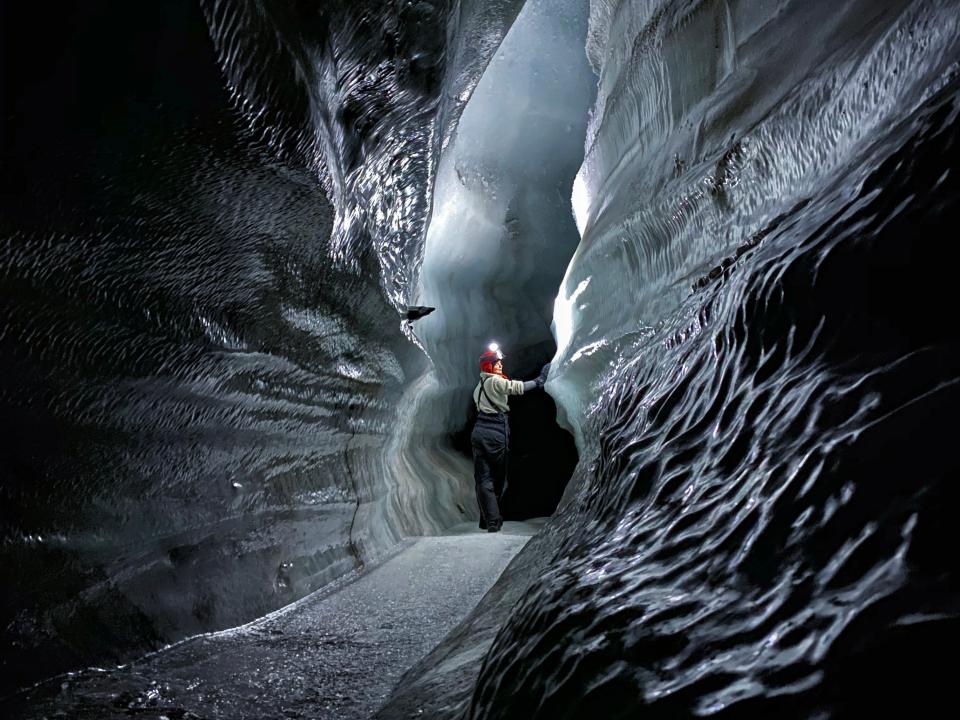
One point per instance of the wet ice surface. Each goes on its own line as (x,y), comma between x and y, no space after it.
(202,369)
(335,655)
(758,350)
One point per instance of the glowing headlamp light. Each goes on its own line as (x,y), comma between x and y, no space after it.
(493,347)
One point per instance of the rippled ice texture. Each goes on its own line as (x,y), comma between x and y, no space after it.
(206,391)
(501,232)
(368,93)
(758,352)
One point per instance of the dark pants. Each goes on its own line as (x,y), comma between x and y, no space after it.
(490,440)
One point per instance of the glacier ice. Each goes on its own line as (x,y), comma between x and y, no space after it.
(210,405)
(501,231)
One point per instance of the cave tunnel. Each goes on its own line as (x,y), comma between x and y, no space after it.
(501,234)
(236,480)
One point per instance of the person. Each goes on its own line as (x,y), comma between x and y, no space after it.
(490,438)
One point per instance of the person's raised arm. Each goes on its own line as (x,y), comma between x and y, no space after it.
(539,382)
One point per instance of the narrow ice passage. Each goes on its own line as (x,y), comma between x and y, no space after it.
(501,233)
(214,218)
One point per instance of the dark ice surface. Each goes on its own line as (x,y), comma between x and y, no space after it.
(209,408)
(206,393)
(759,352)
(335,654)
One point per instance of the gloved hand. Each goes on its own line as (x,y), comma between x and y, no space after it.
(542,379)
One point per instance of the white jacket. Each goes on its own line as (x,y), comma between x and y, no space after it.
(496,390)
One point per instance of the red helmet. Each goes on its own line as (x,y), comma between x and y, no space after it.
(490,358)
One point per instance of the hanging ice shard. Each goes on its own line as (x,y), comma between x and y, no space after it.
(415,312)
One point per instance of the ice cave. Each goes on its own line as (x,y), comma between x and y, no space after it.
(251,252)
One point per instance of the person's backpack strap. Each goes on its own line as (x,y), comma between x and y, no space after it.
(483,391)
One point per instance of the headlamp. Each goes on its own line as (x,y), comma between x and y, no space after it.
(494,347)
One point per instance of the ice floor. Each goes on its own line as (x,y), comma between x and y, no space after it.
(336,654)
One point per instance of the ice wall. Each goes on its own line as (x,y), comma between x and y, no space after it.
(501,231)
(708,127)
(206,393)
(209,407)
(758,352)
(367,94)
